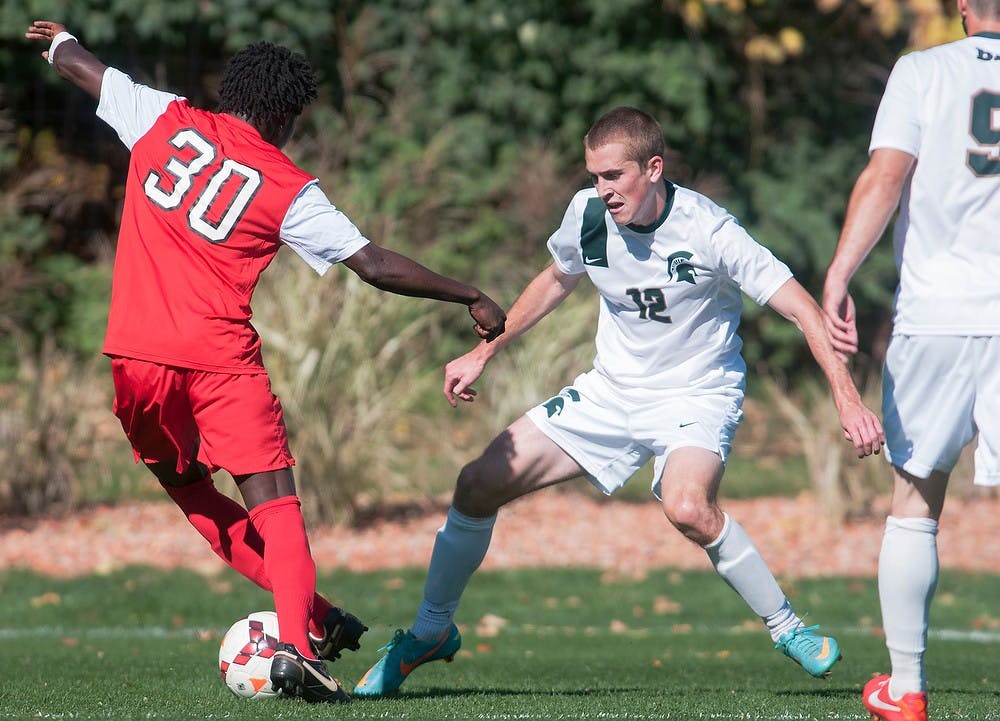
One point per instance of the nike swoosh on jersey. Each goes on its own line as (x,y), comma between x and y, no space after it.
(685,425)
(598,259)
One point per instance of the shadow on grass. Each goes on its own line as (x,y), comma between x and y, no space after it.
(441,692)
(831,693)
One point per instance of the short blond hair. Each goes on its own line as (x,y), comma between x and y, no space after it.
(986,9)
(638,132)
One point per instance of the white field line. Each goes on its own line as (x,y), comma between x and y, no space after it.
(152,632)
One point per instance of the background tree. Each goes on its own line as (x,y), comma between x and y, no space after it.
(452,129)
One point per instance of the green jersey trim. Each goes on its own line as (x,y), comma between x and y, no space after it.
(594,234)
(667,207)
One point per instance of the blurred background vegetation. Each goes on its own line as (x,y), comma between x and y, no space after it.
(449,130)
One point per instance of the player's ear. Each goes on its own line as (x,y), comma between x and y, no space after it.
(654,168)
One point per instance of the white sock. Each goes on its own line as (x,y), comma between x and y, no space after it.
(782,621)
(907,577)
(739,563)
(459,548)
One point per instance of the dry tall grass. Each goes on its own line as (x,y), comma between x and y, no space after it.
(350,365)
(844,485)
(359,374)
(540,363)
(60,445)
(355,370)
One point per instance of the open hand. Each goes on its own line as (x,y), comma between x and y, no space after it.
(44,31)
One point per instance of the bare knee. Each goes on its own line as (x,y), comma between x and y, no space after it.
(258,488)
(698,519)
(914,497)
(477,491)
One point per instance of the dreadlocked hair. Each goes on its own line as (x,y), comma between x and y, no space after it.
(265,82)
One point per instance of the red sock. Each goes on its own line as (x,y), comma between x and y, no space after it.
(290,567)
(226,526)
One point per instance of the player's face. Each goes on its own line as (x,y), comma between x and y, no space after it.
(627,188)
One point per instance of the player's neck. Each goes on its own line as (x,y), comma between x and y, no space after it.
(976,26)
(657,203)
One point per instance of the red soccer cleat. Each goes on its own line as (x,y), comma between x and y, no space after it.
(875,697)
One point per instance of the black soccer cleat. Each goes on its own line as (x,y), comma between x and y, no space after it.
(296,675)
(343,630)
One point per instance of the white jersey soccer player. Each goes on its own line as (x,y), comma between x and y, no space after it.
(942,106)
(671,298)
(935,153)
(667,384)
(671,293)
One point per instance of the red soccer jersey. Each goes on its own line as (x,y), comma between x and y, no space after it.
(204,202)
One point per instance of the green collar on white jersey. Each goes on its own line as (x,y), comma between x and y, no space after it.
(671,189)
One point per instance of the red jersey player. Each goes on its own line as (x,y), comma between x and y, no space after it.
(210,199)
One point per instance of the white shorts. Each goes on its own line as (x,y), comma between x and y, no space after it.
(937,393)
(612,431)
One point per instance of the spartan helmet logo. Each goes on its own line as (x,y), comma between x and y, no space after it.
(679,268)
(554,405)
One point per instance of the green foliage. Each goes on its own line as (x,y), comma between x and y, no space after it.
(797,208)
(58,299)
(451,130)
(528,71)
(437,128)
(46,298)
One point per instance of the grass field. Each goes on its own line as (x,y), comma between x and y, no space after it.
(545,644)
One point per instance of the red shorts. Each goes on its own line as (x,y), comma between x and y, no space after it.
(227,420)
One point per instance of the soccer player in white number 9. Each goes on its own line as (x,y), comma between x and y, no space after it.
(667,384)
(209,200)
(935,154)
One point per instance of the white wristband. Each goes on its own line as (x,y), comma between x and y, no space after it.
(60,37)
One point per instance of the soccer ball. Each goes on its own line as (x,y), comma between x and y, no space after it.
(245,655)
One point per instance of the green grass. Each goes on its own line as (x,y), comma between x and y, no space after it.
(573,645)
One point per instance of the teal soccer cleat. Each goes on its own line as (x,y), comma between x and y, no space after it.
(403,654)
(815,653)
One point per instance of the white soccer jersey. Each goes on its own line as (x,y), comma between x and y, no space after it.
(942,106)
(670,293)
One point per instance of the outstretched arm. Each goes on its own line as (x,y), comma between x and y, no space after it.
(541,296)
(873,201)
(861,426)
(71,60)
(390,271)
